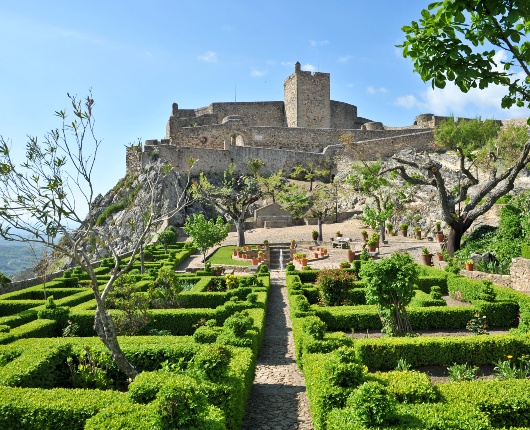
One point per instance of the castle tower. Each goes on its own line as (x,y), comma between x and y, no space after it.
(306,99)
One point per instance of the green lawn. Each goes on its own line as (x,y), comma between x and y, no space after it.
(223,256)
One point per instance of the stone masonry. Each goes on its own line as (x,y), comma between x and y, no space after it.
(306,127)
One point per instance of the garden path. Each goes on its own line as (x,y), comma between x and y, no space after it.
(278,400)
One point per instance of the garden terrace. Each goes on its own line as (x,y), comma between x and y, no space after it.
(340,369)
(200,354)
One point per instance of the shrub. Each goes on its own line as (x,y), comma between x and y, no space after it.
(239,323)
(315,327)
(390,286)
(180,403)
(165,290)
(334,285)
(213,361)
(372,404)
(409,386)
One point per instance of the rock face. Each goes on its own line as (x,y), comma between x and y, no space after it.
(120,213)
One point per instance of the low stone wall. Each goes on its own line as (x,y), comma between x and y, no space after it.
(520,274)
(518,279)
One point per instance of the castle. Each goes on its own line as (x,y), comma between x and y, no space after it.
(307,127)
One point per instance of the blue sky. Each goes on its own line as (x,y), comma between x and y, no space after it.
(140,57)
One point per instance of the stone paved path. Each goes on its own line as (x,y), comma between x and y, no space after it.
(278,399)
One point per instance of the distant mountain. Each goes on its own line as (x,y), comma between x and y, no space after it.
(15,257)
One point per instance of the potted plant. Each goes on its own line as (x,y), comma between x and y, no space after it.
(426,257)
(350,254)
(389,227)
(417,232)
(339,233)
(303,260)
(440,256)
(261,255)
(364,234)
(439,234)
(404,229)
(470,265)
(218,270)
(236,252)
(344,265)
(293,244)
(372,242)
(314,234)
(316,254)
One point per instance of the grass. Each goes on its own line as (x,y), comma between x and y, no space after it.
(223,256)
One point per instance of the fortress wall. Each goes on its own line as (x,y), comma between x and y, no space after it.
(253,113)
(388,146)
(296,139)
(216,161)
(343,115)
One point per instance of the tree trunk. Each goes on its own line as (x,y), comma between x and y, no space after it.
(142,261)
(240,232)
(454,238)
(106,331)
(319,223)
(382,231)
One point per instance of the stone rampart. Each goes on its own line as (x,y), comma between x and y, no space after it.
(297,139)
(344,115)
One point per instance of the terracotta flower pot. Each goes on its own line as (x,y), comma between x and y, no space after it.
(303,261)
(440,237)
(426,259)
(404,233)
(470,267)
(440,257)
(255,261)
(316,254)
(351,256)
(372,248)
(418,234)
(365,236)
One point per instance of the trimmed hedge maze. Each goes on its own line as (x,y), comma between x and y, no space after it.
(196,375)
(352,383)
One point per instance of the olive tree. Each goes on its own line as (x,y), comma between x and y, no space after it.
(474,44)
(462,195)
(390,285)
(40,200)
(232,197)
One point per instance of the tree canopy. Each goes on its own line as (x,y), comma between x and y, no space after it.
(232,197)
(473,43)
(205,233)
(38,205)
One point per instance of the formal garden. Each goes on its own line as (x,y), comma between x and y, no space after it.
(366,381)
(192,337)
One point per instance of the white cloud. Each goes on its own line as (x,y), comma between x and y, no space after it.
(317,43)
(408,101)
(476,102)
(258,73)
(373,90)
(208,57)
(344,58)
(287,63)
(309,68)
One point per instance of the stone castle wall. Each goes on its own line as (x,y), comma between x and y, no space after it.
(216,159)
(235,132)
